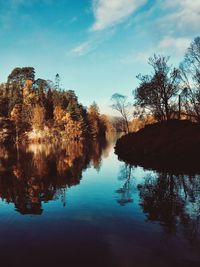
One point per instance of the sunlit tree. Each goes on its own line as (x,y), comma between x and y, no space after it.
(38,120)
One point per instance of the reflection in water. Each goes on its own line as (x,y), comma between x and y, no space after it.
(174,201)
(171,200)
(126,191)
(40,173)
(142,218)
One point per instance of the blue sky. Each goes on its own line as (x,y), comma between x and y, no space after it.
(97,46)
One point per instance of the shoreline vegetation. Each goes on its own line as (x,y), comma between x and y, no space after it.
(39,111)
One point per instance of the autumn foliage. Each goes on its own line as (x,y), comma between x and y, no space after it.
(42,111)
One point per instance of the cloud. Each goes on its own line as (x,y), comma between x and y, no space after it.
(174,45)
(81,49)
(184,13)
(91,43)
(109,13)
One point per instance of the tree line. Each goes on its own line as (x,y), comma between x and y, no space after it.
(39,109)
(167,93)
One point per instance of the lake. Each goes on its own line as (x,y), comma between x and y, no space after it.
(78,205)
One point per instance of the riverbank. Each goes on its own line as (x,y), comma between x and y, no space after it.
(172,145)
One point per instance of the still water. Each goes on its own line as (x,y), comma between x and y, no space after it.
(77,205)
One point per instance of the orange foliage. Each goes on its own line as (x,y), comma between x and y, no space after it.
(38,117)
(140,123)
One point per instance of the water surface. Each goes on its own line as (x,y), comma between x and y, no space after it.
(77,205)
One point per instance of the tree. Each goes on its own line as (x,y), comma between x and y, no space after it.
(49,105)
(18,85)
(190,70)
(106,127)
(16,117)
(118,124)
(38,119)
(73,129)
(94,120)
(20,75)
(4,104)
(157,92)
(59,115)
(123,107)
(57,82)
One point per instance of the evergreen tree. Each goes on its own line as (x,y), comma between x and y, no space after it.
(94,120)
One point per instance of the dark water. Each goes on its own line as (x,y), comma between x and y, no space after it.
(77,205)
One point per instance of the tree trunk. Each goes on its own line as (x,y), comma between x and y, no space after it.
(17,141)
(127,126)
(167,110)
(179,107)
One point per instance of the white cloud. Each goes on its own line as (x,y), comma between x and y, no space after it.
(176,46)
(110,12)
(184,13)
(81,49)
(91,43)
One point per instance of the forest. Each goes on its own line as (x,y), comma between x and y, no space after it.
(38,110)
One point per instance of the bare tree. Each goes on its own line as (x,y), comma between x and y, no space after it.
(190,70)
(118,123)
(157,92)
(121,104)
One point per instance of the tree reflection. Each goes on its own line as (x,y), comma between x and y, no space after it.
(174,201)
(40,173)
(126,191)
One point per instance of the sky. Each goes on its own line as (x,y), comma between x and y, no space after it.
(98,47)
